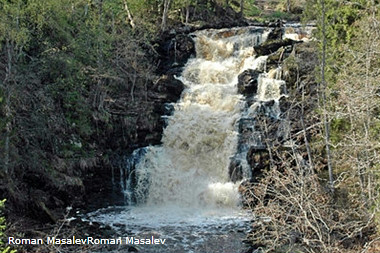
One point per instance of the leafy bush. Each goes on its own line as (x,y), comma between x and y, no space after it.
(3,248)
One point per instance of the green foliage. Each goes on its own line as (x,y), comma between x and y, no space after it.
(62,54)
(77,112)
(278,15)
(250,9)
(339,19)
(339,127)
(3,248)
(352,62)
(12,22)
(66,57)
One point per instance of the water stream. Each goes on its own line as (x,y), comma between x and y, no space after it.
(181,191)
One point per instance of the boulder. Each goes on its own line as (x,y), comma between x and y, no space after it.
(247,82)
(175,50)
(183,48)
(284,104)
(271,46)
(167,89)
(275,34)
(277,57)
(259,160)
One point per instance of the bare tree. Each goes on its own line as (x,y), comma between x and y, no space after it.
(356,105)
(7,107)
(323,95)
(288,5)
(130,19)
(293,213)
(165,15)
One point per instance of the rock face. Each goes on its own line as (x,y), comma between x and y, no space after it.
(258,160)
(275,58)
(271,46)
(175,50)
(167,89)
(235,171)
(290,61)
(183,48)
(247,82)
(276,34)
(138,123)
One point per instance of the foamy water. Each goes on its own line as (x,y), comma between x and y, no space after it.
(182,188)
(184,229)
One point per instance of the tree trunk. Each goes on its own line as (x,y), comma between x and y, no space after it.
(323,88)
(187,15)
(8,125)
(130,19)
(308,148)
(165,15)
(100,40)
(8,128)
(133,85)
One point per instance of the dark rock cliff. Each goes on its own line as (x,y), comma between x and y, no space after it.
(142,124)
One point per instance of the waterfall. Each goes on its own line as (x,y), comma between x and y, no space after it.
(185,183)
(190,168)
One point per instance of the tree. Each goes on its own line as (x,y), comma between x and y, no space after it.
(165,15)
(129,14)
(354,110)
(323,93)
(14,37)
(335,21)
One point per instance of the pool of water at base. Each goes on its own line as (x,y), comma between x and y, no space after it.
(184,230)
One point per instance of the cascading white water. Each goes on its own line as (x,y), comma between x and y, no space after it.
(190,169)
(297,31)
(184,183)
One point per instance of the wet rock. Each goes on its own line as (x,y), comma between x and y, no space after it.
(167,89)
(247,82)
(246,124)
(235,171)
(284,104)
(269,103)
(262,110)
(247,134)
(163,109)
(258,159)
(271,46)
(280,55)
(175,50)
(175,71)
(183,48)
(275,34)
(120,226)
